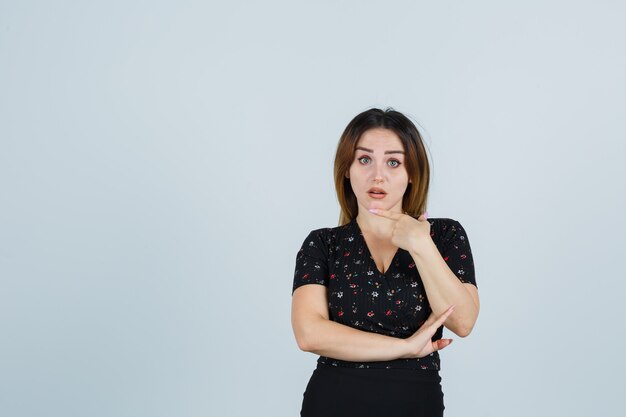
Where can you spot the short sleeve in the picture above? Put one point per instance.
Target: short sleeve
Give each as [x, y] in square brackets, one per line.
[312, 261]
[457, 252]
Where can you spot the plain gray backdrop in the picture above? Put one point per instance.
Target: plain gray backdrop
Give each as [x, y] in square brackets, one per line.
[162, 162]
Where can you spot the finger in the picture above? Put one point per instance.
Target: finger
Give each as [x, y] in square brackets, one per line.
[433, 317]
[430, 320]
[386, 213]
[441, 343]
[442, 318]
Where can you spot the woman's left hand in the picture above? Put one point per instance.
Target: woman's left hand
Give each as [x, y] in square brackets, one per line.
[408, 232]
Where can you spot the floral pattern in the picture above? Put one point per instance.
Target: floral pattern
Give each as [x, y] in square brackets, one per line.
[393, 303]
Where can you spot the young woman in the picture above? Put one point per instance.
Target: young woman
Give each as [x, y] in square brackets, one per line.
[372, 295]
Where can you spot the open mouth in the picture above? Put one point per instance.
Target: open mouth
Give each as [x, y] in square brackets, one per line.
[376, 192]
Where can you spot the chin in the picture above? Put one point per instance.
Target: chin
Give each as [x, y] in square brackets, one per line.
[381, 205]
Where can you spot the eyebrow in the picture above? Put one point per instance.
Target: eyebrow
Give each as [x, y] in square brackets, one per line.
[371, 151]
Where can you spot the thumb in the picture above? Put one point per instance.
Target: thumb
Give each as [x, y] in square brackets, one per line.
[441, 343]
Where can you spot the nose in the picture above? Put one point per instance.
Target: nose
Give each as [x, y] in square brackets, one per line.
[378, 174]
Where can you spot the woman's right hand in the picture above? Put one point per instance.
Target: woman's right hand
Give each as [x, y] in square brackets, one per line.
[420, 343]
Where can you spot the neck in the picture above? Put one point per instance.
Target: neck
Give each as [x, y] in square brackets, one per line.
[373, 224]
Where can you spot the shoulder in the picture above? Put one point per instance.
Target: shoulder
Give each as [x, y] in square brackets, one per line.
[321, 237]
[443, 223]
[445, 229]
[329, 233]
[326, 239]
[322, 233]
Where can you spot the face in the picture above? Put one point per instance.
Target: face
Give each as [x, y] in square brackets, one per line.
[379, 164]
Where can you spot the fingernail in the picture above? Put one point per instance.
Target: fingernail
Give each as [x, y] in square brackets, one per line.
[373, 211]
[426, 214]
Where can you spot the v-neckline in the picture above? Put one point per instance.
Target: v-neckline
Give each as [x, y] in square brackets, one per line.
[369, 253]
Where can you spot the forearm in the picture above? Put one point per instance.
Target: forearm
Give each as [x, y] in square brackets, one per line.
[338, 341]
[443, 289]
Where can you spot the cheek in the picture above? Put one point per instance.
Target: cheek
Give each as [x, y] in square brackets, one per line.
[355, 174]
[402, 183]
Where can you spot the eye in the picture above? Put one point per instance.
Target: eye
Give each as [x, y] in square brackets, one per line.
[362, 158]
[394, 161]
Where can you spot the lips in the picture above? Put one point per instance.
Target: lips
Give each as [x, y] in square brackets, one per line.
[376, 193]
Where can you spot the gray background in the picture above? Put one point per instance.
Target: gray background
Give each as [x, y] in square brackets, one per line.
[162, 162]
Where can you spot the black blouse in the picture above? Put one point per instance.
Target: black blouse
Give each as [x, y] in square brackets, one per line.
[359, 296]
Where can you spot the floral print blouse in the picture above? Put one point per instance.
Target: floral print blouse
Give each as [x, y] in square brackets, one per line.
[360, 296]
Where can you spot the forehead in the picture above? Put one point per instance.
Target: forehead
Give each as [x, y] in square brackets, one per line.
[380, 140]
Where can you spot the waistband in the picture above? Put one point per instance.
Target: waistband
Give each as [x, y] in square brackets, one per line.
[422, 364]
[409, 375]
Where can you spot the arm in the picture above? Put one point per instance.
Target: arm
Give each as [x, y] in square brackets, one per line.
[317, 334]
[443, 288]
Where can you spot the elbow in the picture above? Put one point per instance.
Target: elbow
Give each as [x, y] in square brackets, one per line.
[304, 340]
[303, 344]
[463, 330]
[307, 334]
[306, 345]
[463, 325]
